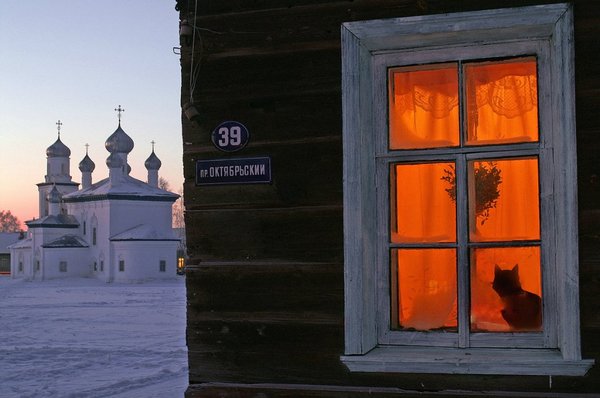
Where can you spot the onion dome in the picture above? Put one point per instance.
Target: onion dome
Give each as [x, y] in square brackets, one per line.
[58, 150]
[119, 141]
[54, 195]
[114, 161]
[86, 165]
[153, 162]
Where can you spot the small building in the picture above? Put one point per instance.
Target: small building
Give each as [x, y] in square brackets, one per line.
[7, 239]
[117, 229]
[419, 151]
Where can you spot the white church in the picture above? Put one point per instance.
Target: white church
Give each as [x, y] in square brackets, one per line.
[117, 229]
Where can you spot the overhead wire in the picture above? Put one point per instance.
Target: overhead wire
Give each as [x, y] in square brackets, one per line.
[193, 78]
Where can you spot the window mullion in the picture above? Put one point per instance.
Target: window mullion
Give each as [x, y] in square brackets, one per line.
[462, 268]
[462, 217]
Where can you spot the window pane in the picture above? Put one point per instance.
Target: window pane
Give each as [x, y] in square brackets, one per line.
[506, 289]
[423, 107]
[424, 289]
[504, 200]
[423, 204]
[501, 100]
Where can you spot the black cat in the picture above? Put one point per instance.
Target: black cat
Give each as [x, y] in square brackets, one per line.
[522, 309]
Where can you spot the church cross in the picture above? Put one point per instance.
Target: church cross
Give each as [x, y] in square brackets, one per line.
[86, 148]
[152, 142]
[119, 110]
[59, 123]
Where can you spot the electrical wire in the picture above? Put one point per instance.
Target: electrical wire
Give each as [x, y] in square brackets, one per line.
[192, 82]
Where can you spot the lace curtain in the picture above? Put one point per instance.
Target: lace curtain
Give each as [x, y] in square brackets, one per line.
[500, 99]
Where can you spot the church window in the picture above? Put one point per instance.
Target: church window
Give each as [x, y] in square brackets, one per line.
[20, 266]
[121, 265]
[95, 266]
[162, 266]
[37, 265]
[94, 233]
[84, 227]
[62, 266]
[101, 265]
[461, 220]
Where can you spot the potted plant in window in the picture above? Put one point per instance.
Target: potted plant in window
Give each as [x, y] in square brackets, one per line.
[487, 179]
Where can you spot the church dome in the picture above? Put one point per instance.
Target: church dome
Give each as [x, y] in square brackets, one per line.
[58, 150]
[153, 162]
[54, 195]
[119, 141]
[87, 165]
[114, 161]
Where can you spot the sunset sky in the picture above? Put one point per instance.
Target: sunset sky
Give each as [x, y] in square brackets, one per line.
[76, 61]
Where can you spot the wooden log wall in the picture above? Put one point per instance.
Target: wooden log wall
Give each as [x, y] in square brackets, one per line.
[265, 270]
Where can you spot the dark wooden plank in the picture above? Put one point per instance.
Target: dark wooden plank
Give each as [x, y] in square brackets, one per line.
[283, 116]
[277, 24]
[277, 288]
[237, 390]
[295, 234]
[249, 351]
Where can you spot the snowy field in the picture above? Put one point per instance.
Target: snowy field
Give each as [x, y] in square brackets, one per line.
[86, 338]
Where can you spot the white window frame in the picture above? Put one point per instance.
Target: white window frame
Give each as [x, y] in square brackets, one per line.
[369, 48]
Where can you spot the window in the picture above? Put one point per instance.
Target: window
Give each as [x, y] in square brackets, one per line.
[95, 266]
[37, 265]
[121, 265]
[84, 227]
[101, 265]
[467, 177]
[62, 266]
[20, 266]
[459, 201]
[94, 236]
[162, 266]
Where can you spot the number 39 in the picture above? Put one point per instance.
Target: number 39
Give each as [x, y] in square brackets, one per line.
[229, 136]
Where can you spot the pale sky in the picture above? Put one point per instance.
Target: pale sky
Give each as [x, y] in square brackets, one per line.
[77, 60]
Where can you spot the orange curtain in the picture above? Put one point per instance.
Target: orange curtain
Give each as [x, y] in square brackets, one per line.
[516, 212]
[424, 107]
[424, 211]
[501, 102]
[426, 288]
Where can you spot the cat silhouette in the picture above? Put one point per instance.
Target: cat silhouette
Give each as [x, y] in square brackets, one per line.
[522, 309]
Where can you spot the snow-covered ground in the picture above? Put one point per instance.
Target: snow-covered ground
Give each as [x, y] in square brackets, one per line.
[86, 338]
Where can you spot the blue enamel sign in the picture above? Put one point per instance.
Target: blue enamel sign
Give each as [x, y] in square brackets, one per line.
[230, 136]
[233, 171]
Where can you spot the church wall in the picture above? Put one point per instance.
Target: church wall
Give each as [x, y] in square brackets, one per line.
[126, 214]
[142, 260]
[22, 255]
[93, 214]
[76, 259]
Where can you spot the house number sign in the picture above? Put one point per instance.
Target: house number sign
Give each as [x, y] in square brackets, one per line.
[230, 136]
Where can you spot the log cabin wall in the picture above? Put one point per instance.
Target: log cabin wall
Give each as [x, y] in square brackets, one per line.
[265, 269]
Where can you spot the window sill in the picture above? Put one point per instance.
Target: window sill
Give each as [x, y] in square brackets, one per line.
[396, 359]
